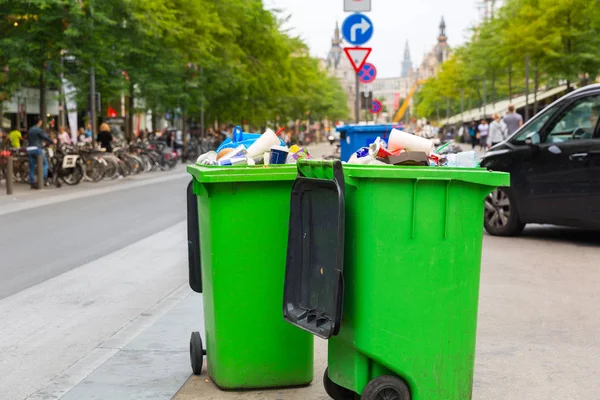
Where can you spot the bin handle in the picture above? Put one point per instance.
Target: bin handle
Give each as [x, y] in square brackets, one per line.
[322, 169]
[193, 233]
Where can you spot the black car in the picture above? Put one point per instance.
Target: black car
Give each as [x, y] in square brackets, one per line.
[554, 166]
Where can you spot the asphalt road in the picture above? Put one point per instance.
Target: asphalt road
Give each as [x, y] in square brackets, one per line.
[39, 243]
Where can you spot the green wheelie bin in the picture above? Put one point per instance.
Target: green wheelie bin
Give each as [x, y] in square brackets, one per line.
[385, 263]
[237, 238]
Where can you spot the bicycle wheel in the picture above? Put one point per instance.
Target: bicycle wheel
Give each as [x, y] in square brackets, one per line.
[21, 173]
[111, 169]
[95, 169]
[136, 164]
[72, 176]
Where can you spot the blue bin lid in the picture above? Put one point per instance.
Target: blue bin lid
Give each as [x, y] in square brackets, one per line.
[385, 128]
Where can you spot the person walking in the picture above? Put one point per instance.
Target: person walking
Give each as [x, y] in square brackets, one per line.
[35, 139]
[473, 134]
[512, 120]
[498, 131]
[105, 137]
[15, 138]
[483, 130]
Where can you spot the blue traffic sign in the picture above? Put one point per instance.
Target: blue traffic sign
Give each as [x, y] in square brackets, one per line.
[357, 29]
[367, 73]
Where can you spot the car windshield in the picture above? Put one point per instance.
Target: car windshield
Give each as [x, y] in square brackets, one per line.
[532, 129]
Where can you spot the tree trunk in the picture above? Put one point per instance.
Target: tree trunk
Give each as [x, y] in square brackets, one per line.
[43, 97]
[536, 83]
[130, 131]
[510, 82]
[154, 120]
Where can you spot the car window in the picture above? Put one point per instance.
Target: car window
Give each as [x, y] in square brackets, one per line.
[532, 129]
[578, 121]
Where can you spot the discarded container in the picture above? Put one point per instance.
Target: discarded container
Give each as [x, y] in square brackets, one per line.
[406, 276]
[242, 220]
[408, 141]
[278, 155]
[353, 137]
[242, 138]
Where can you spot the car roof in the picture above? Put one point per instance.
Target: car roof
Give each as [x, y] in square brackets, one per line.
[589, 88]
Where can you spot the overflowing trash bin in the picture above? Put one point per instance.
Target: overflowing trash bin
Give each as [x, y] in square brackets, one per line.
[384, 261]
[353, 137]
[237, 240]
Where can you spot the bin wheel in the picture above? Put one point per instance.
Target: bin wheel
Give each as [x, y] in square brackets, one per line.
[335, 391]
[196, 353]
[386, 388]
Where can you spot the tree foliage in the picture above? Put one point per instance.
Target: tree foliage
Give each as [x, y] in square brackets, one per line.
[229, 57]
[561, 38]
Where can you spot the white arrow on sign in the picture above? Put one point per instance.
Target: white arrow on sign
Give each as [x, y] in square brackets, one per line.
[364, 26]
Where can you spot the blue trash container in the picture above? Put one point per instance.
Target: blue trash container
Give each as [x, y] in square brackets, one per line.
[353, 137]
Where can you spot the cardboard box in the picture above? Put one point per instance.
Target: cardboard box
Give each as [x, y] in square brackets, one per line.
[418, 158]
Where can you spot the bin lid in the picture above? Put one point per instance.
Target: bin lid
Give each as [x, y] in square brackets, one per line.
[383, 128]
[242, 173]
[313, 288]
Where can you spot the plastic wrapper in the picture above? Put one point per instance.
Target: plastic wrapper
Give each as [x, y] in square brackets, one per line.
[209, 158]
[233, 161]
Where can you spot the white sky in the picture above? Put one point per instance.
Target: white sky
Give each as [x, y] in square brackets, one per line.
[395, 21]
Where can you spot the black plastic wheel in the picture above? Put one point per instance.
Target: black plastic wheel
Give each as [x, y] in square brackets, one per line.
[335, 391]
[196, 353]
[386, 388]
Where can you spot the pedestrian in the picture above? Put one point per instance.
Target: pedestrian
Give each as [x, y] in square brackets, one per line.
[428, 132]
[88, 131]
[301, 137]
[483, 131]
[15, 138]
[35, 139]
[105, 137]
[512, 120]
[473, 134]
[498, 131]
[63, 136]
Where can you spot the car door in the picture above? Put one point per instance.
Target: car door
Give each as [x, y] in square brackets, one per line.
[557, 175]
[593, 160]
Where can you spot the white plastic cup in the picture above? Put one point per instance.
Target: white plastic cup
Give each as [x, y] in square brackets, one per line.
[402, 140]
[263, 144]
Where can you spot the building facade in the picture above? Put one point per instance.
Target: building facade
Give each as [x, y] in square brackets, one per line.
[439, 53]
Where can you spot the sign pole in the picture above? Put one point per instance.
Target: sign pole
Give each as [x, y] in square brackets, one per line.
[357, 103]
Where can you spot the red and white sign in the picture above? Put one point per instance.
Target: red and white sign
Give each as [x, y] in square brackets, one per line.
[357, 56]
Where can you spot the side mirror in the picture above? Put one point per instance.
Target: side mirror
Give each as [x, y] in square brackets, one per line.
[529, 142]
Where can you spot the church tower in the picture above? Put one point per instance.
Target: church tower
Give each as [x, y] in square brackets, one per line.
[406, 62]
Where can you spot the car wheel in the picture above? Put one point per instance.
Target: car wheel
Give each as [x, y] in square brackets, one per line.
[501, 217]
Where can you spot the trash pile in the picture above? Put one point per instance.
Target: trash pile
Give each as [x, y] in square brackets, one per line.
[405, 148]
[254, 149]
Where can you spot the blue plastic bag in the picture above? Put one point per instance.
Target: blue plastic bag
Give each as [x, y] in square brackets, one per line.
[239, 137]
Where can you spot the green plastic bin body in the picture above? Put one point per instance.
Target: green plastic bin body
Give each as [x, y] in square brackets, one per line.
[243, 218]
[412, 257]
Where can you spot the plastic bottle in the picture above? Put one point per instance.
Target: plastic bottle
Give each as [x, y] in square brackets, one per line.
[466, 159]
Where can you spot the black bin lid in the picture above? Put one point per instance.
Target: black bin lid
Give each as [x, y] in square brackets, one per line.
[314, 288]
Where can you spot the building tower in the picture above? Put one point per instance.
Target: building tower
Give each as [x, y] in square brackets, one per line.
[335, 53]
[441, 48]
[406, 62]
